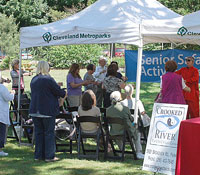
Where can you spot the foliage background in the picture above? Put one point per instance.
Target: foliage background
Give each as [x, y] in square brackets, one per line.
[64, 56]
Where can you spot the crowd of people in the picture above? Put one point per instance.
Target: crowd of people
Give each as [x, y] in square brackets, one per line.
[102, 88]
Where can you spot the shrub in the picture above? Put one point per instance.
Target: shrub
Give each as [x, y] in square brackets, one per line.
[5, 63]
[64, 56]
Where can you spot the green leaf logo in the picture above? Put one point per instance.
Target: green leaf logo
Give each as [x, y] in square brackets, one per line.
[47, 37]
[182, 31]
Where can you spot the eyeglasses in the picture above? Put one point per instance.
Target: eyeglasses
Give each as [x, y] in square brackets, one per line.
[188, 60]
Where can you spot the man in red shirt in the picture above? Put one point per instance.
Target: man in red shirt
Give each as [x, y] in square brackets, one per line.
[190, 75]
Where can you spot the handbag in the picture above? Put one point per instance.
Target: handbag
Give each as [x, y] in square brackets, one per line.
[158, 98]
[146, 120]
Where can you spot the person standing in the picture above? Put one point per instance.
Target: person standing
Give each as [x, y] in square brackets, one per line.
[15, 80]
[5, 97]
[88, 76]
[74, 85]
[111, 83]
[15, 76]
[190, 75]
[99, 75]
[172, 85]
[44, 108]
[119, 75]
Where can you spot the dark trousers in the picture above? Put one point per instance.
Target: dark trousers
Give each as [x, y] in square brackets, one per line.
[107, 101]
[2, 134]
[99, 95]
[44, 137]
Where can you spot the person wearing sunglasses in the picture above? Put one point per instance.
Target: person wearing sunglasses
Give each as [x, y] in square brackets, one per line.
[190, 75]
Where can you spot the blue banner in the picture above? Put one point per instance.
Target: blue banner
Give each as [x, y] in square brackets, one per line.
[153, 63]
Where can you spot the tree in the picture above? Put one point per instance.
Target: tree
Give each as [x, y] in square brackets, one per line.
[9, 37]
[64, 56]
[182, 7]
[56, 15]
[76, 5]
[26, 12]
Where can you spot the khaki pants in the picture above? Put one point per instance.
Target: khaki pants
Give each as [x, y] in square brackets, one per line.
[137, 143]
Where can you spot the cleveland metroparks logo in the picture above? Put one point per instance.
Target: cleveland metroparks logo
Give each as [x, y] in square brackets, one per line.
[47, 37]
[182, 31]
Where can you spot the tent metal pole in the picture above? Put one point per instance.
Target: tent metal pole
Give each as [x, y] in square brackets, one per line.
[172, 46]
[162, 46]
[111, 53]
[138, 78]
[19, 94]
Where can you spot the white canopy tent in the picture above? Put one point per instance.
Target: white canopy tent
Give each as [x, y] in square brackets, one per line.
[106, 21]
[180, 30]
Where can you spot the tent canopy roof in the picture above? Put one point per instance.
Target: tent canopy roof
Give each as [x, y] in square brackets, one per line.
[180, 30]
[113, 21]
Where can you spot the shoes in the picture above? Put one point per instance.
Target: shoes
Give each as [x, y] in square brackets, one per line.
[52, 160]
[2, 153]
[140, 155]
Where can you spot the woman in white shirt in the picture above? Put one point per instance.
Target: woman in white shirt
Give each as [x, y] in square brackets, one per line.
[5, 97]
[130, 103]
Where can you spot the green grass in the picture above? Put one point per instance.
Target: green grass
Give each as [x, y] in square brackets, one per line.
[21, 160]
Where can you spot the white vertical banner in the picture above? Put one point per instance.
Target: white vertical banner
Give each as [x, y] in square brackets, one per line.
[160, 155]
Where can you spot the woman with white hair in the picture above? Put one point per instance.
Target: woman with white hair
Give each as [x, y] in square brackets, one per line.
[123, 112]
[44, 108]
[130, 103]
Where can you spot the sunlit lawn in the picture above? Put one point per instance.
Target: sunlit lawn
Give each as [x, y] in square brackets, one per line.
[21, 161]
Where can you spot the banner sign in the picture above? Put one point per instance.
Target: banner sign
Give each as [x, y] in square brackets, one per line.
[160, 155]
[153, 63]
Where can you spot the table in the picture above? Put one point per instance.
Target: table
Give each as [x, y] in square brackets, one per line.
[188, 149]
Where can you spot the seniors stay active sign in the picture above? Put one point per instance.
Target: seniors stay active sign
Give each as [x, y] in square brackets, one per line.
[160, 155]
[153, 63]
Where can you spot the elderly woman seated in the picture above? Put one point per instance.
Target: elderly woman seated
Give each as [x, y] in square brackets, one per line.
[121, 111]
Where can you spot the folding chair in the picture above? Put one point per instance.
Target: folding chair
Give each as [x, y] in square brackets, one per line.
[72, 109]
[103, 112]
[65, 130]
[24, 116]
[140, 125]
[125, 138]
[66, 103]
[13, 123]
[69, 108]
[99, 134]
[25, 121]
